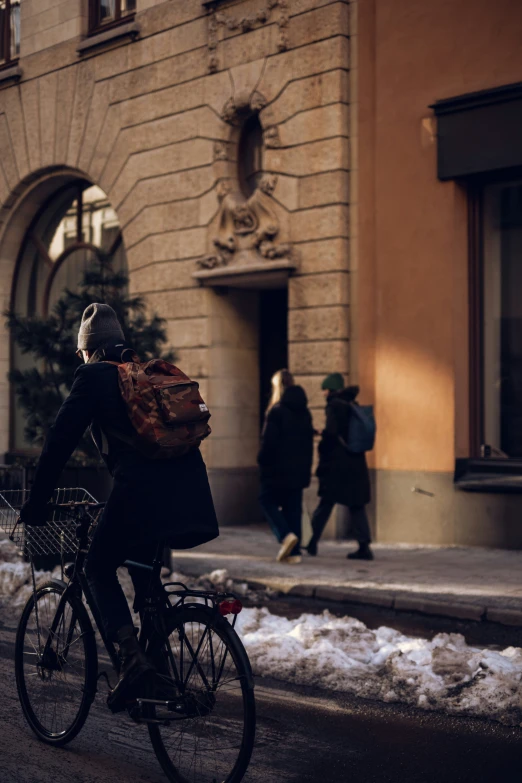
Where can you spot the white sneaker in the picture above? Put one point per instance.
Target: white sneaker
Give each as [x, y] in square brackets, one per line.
[287, 544]
[293, 559]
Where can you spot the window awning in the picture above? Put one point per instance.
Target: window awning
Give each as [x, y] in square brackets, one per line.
[479, 132]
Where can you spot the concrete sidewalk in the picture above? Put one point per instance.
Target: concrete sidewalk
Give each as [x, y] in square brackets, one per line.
[468, 583]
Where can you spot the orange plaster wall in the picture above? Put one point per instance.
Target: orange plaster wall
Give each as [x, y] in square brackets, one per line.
[412, 228]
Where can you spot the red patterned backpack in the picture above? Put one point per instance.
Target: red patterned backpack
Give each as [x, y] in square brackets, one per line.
[165, 408]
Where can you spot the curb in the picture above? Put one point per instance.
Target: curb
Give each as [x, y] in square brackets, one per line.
[420, 604]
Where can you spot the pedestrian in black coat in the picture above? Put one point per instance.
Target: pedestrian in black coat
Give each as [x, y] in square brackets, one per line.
[285, 461]
[343, 475]
[151, 500]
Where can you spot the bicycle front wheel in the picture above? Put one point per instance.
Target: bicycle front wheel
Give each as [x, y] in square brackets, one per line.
[204, 663]
[55, 664]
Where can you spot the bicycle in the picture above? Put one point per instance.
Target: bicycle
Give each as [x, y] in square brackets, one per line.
[201, 716]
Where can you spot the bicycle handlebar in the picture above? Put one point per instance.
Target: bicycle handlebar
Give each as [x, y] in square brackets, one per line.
[72, 505]
[72, 508]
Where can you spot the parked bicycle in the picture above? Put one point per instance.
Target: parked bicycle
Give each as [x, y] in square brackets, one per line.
[201, 713]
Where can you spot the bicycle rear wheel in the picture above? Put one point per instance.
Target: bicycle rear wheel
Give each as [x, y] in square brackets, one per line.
[55, 664]
[212, 738]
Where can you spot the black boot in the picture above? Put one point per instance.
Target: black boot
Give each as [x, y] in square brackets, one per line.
[312, 547]
[136, 672]
[363, 553]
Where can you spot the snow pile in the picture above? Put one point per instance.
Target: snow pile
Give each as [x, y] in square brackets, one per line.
[13, 572]
[15, 575]
[342, 654]
[8, 551]
[12, 577]
[220, 580]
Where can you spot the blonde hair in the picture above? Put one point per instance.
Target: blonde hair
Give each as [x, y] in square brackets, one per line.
[281, 380]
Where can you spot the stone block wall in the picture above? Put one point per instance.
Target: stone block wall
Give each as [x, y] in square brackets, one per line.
[147, 121]
[46, 23]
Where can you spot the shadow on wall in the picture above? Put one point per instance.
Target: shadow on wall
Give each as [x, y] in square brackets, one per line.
[236, 492]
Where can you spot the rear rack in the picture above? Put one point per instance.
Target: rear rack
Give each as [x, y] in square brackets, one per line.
[223, 603]
[212, 595]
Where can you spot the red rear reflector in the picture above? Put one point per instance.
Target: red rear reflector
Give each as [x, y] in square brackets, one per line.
[230, 607]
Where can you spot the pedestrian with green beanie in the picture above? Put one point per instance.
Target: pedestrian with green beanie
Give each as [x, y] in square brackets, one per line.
[343, 475]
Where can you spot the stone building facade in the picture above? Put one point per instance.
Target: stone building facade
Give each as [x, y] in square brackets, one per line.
[221, 134]
[321, 184]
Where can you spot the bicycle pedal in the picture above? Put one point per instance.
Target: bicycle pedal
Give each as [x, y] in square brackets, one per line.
[137, 708]
[134, 712]
[168, 704]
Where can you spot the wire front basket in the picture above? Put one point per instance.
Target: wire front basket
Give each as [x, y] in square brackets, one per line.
[57, 537]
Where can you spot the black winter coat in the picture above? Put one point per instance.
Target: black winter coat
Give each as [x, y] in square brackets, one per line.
[343, 476]
[287, 443]
[167, 498]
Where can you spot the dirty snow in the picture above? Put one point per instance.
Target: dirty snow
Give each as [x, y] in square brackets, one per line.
[342, 654]
[15, 576]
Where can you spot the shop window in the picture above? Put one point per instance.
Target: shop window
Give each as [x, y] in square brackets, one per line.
[501, 321]
[9, 31]
[107, 13]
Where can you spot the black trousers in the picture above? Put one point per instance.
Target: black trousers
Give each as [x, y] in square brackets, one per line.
[283, 510]
[358, 521]
[115, 540]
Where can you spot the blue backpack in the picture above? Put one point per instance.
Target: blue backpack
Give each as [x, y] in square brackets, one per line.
[361, 429]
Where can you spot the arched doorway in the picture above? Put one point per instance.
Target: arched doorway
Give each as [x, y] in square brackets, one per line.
[69, 230]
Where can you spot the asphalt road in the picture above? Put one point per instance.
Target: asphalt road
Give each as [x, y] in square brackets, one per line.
[304, 736]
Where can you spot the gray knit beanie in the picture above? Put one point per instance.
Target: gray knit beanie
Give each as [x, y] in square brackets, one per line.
[99, 325]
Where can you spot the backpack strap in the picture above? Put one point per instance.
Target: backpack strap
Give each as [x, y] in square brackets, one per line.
[340, 438]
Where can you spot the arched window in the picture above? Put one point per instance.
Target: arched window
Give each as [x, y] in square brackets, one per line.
[74, 228]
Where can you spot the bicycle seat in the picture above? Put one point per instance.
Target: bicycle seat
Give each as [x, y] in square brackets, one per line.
[135, 564]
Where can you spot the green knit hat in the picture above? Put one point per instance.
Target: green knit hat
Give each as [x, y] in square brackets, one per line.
[333, 382]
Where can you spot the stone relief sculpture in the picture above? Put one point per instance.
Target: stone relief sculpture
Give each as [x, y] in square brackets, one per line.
[247, 227]
[235, 109]
[243, 24]
[271, 137]
[220, 150]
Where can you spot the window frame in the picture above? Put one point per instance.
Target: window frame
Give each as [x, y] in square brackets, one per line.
[96, 26]
[476, 226]
[476, 316]
[5, 33]
[31, 235]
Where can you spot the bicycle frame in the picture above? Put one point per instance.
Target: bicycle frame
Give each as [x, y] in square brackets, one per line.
[77, 585]
[200, 682]
[152, 612]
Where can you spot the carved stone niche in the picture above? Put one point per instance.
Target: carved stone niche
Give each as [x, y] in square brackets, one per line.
[232, 20]
[247, 250]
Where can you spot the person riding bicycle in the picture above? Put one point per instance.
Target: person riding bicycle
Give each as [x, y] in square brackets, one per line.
[151, 500]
